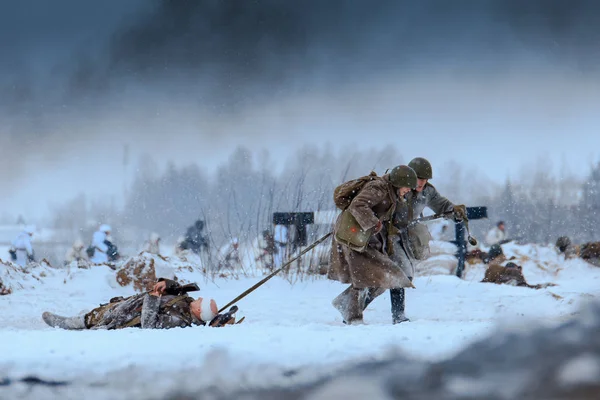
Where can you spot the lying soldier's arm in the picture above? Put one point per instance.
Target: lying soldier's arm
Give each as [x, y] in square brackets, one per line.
[151, 305]
[171, 284]
[167, 286]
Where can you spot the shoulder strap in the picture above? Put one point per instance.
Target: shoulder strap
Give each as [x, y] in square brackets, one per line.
[394, 199]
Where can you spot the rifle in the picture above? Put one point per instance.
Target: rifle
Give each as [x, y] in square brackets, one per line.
[430, 218]
[264, 280]
[188, 287]
[449, 214]
[321, 240]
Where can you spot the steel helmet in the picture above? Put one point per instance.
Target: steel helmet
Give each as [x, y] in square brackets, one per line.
[403, 176]
[422, 167]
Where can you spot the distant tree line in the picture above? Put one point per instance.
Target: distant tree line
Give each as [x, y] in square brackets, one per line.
[239, 198]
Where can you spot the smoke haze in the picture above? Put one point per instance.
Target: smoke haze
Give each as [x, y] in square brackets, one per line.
[491, 85]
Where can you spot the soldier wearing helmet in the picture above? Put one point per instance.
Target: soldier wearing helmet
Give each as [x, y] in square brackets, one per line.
[369, 270]
[412, 244]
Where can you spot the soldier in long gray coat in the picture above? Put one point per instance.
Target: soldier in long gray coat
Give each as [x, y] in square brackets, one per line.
[167, 306]
[412, 244]
[371, 271]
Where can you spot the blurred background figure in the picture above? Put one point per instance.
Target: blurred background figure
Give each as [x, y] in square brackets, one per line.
[180, 246]
[76, 253]
[21, 251]
[496, 235]
[102, 249]
[267, 250]
[152, 245]
[229, 255]
[195, 239]
[281, 241]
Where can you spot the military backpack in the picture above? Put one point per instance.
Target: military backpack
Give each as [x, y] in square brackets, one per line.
[347, 191]
[349, 232]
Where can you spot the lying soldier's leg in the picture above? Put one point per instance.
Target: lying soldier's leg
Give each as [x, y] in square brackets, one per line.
[86, 321]
[70, 323]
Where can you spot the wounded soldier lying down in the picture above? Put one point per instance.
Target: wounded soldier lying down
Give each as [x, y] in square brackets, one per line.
[167, 306]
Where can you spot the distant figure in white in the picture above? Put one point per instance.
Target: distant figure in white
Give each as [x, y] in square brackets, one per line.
[99, 244]
[21, 250]
[496, 235]
[76, 253]
[280, 235]
[152, 245]
[441, 230]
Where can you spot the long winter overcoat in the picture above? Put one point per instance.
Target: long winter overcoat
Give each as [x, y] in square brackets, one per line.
[372, 268]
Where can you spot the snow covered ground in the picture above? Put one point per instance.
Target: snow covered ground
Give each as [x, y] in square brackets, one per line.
[287, 327]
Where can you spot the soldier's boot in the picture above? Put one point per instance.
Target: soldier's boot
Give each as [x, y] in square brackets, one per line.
[398, 301]
[70, 323]
[349, 304]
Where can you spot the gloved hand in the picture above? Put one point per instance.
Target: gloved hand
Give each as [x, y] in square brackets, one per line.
[460, 213]
[227, 318]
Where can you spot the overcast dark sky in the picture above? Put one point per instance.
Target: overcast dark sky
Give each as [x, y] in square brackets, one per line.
[192, 79]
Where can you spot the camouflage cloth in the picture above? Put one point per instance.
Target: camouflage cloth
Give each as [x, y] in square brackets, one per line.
[145, 311]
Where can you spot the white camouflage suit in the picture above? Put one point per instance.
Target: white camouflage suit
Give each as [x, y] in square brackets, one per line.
[22, 246]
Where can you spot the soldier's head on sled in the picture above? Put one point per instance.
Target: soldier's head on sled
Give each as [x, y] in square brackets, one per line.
[204, 309]
[403, 178]
[424, 171]
[500, 225]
